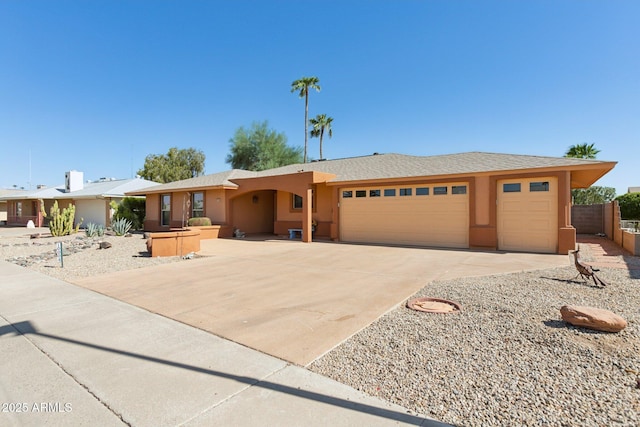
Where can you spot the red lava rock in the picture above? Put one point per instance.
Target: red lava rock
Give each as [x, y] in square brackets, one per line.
[592, 318]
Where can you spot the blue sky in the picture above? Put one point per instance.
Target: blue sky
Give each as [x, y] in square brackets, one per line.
[96, 86]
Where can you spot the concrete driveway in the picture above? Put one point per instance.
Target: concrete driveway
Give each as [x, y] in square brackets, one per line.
[295, 300]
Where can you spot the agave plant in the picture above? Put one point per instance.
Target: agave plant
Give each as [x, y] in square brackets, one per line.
[94, 230]
[121, 226]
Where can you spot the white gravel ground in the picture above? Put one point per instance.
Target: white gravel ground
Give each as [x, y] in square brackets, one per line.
[506, 360]
[83, 257]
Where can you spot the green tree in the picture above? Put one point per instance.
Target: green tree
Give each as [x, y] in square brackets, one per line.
[582, 151]
[321, 124]
[302, 86]
[176, 165]
[132, 209]
[629, 206]
[259, 148]
[593, 195]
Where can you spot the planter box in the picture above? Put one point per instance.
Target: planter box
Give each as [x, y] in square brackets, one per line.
[209, 231]
[631, 242]
[173, 243]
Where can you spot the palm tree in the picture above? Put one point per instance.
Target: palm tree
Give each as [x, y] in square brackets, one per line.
[582, 151]
[321, 124]
[302, 86]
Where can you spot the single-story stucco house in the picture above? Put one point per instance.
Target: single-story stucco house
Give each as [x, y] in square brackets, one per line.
[3, 203]
[468, 200]
[91, 199]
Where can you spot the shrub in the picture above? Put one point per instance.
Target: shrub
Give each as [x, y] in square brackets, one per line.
[94, 230]
[199, 222]
[132, 209]
[121, 226]
[629, 206]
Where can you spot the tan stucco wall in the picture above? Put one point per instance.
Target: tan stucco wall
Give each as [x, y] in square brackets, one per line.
[481, 213]
[253, 212]
[284, 208]
[323, 209]
[214, 206]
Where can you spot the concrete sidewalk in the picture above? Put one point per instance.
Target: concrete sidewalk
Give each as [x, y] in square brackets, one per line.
[70, 357]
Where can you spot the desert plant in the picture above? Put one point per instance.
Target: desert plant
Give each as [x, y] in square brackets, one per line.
[199, 222]
[121, 226]
[94, 230]
[61, 223]
[131, 208]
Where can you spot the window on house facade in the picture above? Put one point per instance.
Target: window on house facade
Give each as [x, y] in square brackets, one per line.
[165, 209]
[406, 191]
[539, 186]
[18, 209]
[439, 191]
[296, 201]
[512, 187]
[389, 192]
[459, 189]
[422, 191]
[197, 205]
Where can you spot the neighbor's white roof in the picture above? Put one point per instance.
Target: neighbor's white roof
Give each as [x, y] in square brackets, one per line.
[90, 190]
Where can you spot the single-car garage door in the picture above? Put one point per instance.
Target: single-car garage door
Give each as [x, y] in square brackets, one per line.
[528, 215]
[91, 211]
[425, 215]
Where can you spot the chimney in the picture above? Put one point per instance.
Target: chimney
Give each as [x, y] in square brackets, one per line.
[73, 181]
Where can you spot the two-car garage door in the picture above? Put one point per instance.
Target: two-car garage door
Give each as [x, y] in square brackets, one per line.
[425, 215]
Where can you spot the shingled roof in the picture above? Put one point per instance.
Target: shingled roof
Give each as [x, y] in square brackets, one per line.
[395, 166]
[215, 180]
[388, 166]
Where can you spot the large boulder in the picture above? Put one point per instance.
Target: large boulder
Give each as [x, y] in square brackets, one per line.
[592, 318]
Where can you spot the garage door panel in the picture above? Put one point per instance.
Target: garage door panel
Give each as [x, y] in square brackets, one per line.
[511, 206]
[528, 221]
[408, 220]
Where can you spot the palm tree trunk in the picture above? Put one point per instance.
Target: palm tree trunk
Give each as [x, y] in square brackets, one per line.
[306, 122]
[321, 135]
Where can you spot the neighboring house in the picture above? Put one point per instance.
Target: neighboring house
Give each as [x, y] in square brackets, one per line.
[91, 199]
[3, 203]
[633, 190]
[468, 200]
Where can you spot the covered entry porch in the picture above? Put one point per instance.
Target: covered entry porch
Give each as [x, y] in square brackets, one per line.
[291, 201]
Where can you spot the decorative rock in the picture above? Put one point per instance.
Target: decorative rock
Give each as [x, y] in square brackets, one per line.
[105, 245]
[35, 236]
[30, 224]
[592, 318]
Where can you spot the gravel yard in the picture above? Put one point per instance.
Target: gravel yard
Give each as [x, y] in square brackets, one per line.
[506, 359]
[83, 257]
